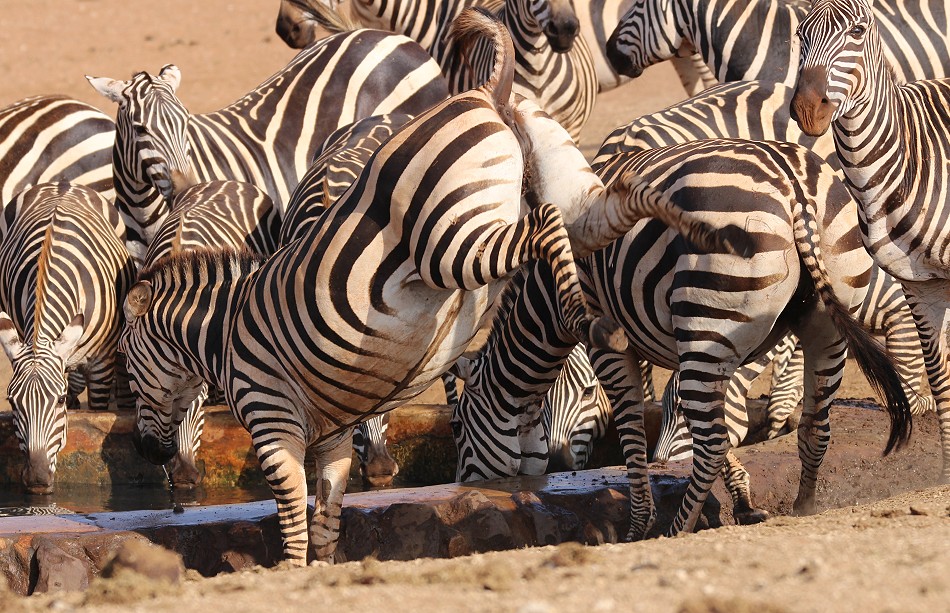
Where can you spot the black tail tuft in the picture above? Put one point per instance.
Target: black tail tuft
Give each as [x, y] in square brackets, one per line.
[878, 367]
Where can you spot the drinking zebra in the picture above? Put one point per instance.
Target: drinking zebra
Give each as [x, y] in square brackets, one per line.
[63, 273]
[53, 138]
[750, 39]
[206, 216]
[553, 67]
[892, 141]
[268, 137]
[701, 314]
[382, 294]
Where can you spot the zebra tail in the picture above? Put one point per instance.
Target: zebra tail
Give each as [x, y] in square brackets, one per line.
[474, 23]
[874, 360]
[330, 17]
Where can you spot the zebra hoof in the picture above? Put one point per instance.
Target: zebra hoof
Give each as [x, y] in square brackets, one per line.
[735, 240]
[605, 333]
[753, 516]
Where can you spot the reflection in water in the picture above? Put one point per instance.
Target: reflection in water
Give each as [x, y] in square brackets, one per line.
[90, 498]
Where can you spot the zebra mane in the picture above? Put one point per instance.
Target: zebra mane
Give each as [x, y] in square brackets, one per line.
[42, 265]
[185, 264]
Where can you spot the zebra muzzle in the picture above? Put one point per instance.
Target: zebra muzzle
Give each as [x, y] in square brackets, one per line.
[153, 448]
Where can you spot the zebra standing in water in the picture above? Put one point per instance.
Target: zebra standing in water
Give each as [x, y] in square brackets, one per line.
[211, 215]
[382, 294]
[553, 67]
[268, 137]
[742, 40]
[893, 143]
[53, 138]
[63, 273]
[702, 341]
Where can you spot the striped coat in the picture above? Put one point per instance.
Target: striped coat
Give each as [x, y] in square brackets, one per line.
[63, 274]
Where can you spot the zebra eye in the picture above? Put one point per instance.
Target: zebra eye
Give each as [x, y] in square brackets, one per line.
[857, 31]
[139, 129]
[588, 393]
[61, 400]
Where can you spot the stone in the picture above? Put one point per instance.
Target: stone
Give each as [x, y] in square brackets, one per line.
[58, 571]
[146, 559]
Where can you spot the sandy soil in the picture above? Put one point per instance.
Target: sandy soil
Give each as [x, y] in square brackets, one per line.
[887, 556]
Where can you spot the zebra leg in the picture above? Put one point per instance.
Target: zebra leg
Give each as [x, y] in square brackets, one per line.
[333, 469]
[124, 398]
[75, 384]
[540, 235]
[702, 401]
[929, 304]
[100, 377]
[449, 382]
[903, 343]
[280, 453]
[736, 479]
[824, 351]
[619, 374]
[788, 368]
[646, 373]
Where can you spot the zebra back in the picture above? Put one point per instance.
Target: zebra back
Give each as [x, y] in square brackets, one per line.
[53, 138]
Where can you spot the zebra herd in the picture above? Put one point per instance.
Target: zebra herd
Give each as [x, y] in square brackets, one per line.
[325, 248]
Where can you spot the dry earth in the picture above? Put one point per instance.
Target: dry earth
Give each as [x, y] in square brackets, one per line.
[886, 556]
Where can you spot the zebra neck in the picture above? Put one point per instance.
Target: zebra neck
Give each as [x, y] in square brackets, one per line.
[141, 206]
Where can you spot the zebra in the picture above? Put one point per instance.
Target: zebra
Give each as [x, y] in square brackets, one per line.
[268, 137]
[755, 40]
[892, 141]
[63, 273]
[647, 277]
[208, 215]
[300, 25]
[554, 67]
[53, 138]
[381, 295]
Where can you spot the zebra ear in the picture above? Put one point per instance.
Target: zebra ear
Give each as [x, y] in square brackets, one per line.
[67, 341]
[462, 368]
[9, 337]
[110, 88]
[170, 74]
[138, 300]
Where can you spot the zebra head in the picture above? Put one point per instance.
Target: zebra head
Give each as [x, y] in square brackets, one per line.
[494, 435]
[575, 413]
[151, 140]
[38, 394]
[648, 33]
[556, 19]
[839, 47]
[163, 389]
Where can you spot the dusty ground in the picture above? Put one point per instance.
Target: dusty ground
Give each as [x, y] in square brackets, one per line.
[887, 556]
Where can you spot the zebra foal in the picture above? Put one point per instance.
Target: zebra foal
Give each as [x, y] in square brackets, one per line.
[381, 295]
[892, 140]
[63, 274]
[269, 136]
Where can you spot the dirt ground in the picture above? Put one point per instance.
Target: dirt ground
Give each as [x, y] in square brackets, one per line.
[886, 556]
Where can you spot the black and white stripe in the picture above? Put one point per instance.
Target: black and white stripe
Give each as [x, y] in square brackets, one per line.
[382, 294]
[63, 273]
[742, 40]
[268, 137]
[704, 314]
[895, 150]
[51, 139]
[553, 66]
